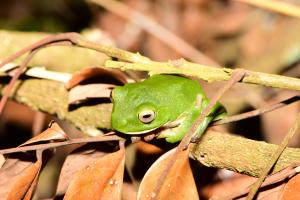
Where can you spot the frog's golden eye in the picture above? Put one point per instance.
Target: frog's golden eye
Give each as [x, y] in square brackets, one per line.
[146, 116]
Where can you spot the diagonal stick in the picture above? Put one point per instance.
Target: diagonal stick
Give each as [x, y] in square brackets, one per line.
[13, 81]
[293, 130]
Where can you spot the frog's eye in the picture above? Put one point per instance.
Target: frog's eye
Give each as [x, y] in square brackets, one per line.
[146, 116]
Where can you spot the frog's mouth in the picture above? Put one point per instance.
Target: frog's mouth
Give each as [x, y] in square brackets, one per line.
[168, 125]
[142, 132]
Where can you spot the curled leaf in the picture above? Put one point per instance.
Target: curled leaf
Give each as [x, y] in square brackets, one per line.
[101, 74]
[53, 133]
[83, 92]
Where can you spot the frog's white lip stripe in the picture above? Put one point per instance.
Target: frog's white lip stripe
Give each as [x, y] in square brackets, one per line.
[173, 124]
[141, 132]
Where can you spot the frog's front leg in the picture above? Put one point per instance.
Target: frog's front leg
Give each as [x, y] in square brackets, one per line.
[217, 112]
[175, 131]
[182, 125]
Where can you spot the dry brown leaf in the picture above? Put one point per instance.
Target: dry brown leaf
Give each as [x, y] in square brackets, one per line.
[19, 178]
[113, 189]
[31, 189]
[53, 133]
[179, 183]
[101, 74]
[230, 187]
[101, 179]
[223, 188]
[73, 163]
[291, 190]
[80, 93]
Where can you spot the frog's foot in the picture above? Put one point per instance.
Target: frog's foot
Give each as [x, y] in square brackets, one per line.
[149, 137]
[146, 138]
[167, 133]
[169, 130]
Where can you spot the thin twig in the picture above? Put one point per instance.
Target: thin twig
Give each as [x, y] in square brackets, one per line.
[59, 144]
[21, 70]
[139, 62]
[77, 40]
[43, 42]
[207, 73]
[13, 81]
[257, 112]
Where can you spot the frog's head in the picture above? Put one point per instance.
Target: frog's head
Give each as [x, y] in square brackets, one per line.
[156, 102]
[137, 110]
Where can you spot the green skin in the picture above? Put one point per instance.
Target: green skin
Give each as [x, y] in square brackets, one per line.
[176, 101]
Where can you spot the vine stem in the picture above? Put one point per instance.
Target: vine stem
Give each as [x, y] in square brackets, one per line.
[135, 61]
[207, 73]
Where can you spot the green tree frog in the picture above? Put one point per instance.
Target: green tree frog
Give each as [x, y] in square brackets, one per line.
[167, 103]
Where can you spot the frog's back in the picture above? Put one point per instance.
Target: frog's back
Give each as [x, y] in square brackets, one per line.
[171, 93]
[173, 85]
[168, 96]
